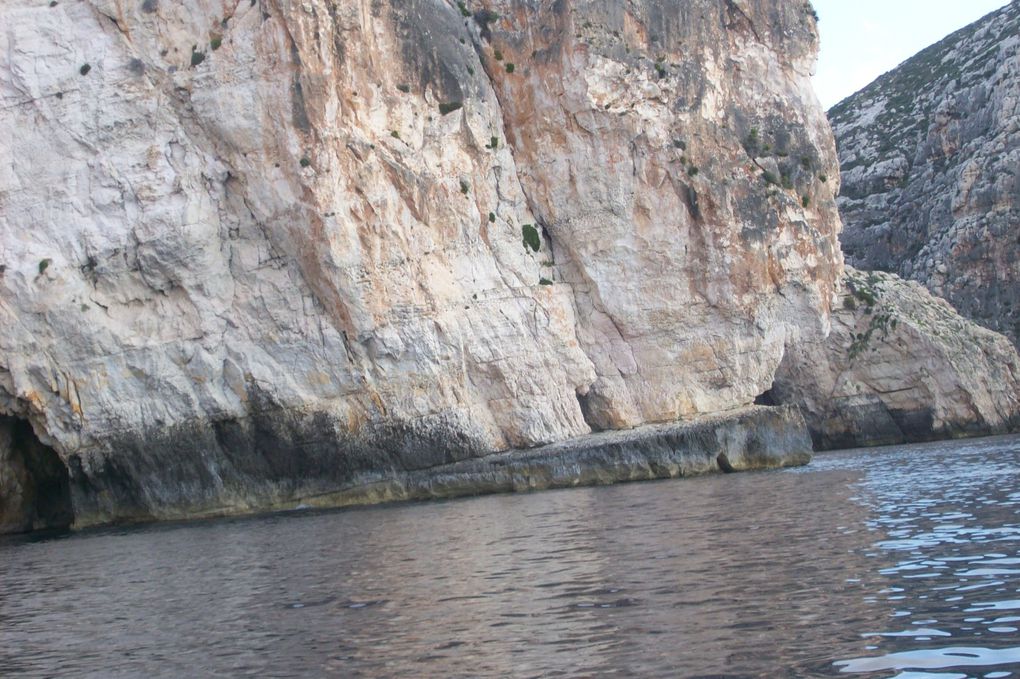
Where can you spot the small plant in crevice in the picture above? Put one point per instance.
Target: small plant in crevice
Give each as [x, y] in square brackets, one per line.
[497, 55]
[529, 234]
[692, 170]
[752, 142]
[880, 322]
[404, 88]
[866, 292]
[484, 17]
[197, 57]
[44, 264]
[509, 67]
[449, 107]
[215, 41]
[464, 11]
[85, 68]
[464, 187]
[394, 134]
[544, 281]
[805, 201]
[304, 162]
[493, 143]
[492, 217]
[823, 178]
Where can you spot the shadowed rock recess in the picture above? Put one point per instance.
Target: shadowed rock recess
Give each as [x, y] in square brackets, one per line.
[930, 154]
[263, 253]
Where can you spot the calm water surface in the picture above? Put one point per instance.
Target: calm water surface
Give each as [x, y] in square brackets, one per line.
[900, 562]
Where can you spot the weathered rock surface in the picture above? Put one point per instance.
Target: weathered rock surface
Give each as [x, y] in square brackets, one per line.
[900, 366]
[930, 156]
[252, 251]
[753, 438]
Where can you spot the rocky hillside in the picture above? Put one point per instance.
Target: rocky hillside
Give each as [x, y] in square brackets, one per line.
[930, 156]
[265, 252]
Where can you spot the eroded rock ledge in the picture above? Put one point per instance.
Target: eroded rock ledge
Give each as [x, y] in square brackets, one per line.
[753, 438]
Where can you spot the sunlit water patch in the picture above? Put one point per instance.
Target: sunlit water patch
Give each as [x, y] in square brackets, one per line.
[899, 562]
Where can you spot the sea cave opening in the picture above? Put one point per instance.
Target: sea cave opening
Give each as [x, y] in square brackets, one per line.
[35, 489]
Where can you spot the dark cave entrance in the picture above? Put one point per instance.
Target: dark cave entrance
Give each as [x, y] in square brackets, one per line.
[588, 412]
[35, 489]
[767, 398]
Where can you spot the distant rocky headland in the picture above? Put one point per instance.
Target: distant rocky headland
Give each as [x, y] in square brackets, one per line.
[273, 253]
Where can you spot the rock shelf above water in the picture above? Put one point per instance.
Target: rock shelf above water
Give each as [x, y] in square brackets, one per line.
[755, 438]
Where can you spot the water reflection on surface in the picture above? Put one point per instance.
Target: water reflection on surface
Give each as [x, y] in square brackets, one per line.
[951, 531]
[901, 562]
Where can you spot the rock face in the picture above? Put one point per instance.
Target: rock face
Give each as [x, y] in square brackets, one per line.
[250, 252]
[900, 366]
[930, 156]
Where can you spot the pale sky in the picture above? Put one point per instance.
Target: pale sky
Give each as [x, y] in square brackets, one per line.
[862, 39]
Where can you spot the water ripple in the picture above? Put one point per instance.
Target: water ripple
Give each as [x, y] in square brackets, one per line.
[934, 659]
[900, 562]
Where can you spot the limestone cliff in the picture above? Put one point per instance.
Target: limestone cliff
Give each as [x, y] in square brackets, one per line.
[256, 251]
[900, 365]
[930, 155]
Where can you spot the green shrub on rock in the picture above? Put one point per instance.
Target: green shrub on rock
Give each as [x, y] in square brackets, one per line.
[531, 238]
